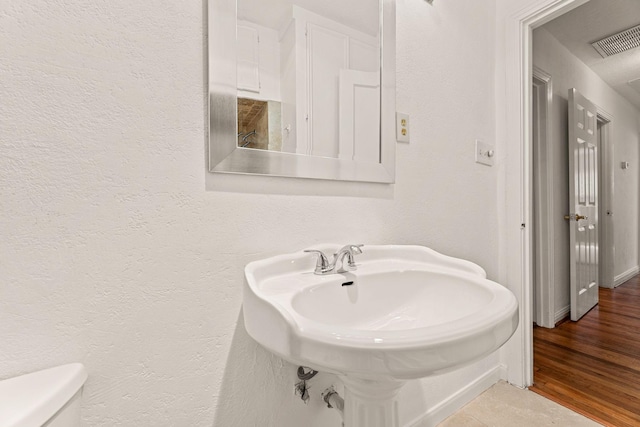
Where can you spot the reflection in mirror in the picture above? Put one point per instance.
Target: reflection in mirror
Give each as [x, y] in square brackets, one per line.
[302, 88]
[259, 124]
[308, 77]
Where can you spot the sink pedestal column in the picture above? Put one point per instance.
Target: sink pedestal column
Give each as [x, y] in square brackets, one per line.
[369, 403]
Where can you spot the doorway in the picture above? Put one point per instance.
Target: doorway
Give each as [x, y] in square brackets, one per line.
[606, 189]
[548, 234]
[518, 19]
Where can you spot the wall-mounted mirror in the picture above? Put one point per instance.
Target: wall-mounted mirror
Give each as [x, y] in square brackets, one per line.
[302, 88]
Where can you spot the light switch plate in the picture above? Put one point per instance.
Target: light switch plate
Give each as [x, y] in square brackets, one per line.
[484, 153]
[402, 127]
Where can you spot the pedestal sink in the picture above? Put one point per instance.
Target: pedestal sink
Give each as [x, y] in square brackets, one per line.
[407, 312]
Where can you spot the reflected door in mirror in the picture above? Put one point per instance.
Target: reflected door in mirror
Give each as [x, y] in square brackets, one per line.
[308, 77]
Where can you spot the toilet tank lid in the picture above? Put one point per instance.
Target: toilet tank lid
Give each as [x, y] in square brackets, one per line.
[31, 399]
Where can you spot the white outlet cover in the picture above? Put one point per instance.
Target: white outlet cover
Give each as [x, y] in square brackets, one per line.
[402, 123]
[485, 153]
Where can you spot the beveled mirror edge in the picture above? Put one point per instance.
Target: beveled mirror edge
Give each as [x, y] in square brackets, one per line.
[222, 79]
[388, 90]
[226, 157]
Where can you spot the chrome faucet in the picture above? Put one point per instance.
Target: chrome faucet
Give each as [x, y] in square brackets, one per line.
[323, 266]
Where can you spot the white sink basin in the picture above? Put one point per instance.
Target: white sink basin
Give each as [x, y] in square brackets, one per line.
[408, 300]
[410, 312]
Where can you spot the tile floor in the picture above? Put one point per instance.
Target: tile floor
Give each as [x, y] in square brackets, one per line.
[504, 405]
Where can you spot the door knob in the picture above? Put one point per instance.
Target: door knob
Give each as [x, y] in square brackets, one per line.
[576, 217]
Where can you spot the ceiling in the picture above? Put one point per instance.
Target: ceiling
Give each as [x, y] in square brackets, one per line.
[594, 20]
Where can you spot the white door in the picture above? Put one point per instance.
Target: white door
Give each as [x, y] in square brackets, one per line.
[248, 61]
[359, 116]
[583, 202]
[327, 54]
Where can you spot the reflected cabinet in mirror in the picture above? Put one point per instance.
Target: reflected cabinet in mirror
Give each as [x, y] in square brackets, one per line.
[302, 88]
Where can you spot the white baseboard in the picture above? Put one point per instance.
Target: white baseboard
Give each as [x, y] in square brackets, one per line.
[561, 314]
[617, 281]
[623, 277]
[454, 402]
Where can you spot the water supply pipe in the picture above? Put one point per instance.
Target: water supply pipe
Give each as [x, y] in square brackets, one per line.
[333, 400]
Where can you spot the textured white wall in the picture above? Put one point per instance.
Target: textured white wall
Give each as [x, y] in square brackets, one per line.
[119, 250]
[567, 72]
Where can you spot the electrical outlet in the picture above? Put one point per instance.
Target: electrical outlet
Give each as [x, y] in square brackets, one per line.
[402, 127]
[484, 153]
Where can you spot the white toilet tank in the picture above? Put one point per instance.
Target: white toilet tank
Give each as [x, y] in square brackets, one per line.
[48, 398]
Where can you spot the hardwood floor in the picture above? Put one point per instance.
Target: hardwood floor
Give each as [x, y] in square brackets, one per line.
[593, 366]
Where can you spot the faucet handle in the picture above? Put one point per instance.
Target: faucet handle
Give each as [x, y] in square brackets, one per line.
[322, 264]
[348, 251]
[356, 248]
[351, 250]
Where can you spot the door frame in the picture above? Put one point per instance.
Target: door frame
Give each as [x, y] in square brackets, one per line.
[606, 188]
[543, 225]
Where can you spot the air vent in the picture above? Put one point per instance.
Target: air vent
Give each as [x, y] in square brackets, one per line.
[618, 43]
